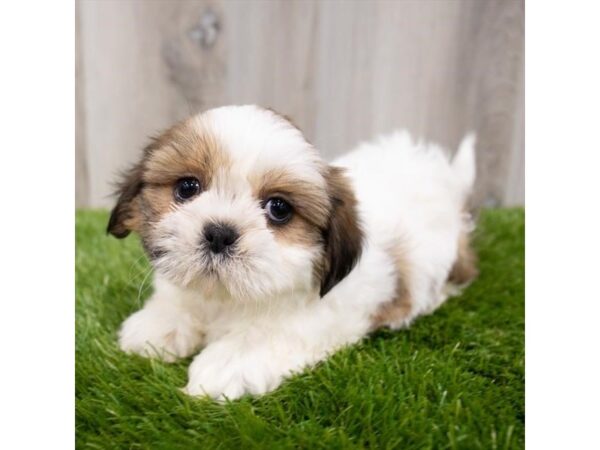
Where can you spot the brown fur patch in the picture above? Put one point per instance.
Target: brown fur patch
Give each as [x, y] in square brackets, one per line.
[155, 201]
[311, 202]
[343, 235]
[187, 149]
[146, 192]
[126, 216]
[298, 231]
[311, 205]
[392, 313]
[464, 269]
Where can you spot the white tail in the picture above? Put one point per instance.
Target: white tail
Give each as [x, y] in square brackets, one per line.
[463, 163]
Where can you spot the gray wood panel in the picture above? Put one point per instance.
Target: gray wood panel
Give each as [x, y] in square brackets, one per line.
[343, 70]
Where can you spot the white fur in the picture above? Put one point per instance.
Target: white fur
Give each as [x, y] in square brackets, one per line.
[409, 193]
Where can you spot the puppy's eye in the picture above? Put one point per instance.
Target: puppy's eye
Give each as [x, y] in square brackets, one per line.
[186, 188]
[278, 210]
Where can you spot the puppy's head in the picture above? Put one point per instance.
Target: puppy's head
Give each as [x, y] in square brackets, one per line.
[236, 202]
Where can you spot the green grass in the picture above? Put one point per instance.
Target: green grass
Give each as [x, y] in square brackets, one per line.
[455, 379]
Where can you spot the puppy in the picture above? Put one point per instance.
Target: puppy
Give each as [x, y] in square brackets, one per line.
[267, 259]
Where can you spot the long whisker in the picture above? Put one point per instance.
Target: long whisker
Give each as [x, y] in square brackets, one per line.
[139, 296]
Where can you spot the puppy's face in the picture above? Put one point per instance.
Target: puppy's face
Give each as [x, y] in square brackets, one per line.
[236, 203]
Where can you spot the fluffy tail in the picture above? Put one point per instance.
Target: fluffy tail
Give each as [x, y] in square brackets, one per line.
[463, 163]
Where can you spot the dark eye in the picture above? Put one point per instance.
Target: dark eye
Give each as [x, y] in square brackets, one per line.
[278, 210]
[186, 188]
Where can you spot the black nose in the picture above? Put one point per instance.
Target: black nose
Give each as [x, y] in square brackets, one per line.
[219, 236]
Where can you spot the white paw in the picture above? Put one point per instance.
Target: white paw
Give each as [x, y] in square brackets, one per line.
[160, 333]
[226, 370]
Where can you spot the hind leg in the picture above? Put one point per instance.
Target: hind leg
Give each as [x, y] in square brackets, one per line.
[464, 270]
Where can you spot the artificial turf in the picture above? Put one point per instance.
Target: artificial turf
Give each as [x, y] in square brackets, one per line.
[455, 379]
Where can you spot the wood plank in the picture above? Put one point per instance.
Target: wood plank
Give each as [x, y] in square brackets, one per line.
[81, 169]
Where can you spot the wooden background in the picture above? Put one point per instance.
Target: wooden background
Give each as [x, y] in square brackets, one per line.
[343, 70]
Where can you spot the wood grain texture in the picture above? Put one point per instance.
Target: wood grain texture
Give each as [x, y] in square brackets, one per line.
[343, 70]
[81, 170]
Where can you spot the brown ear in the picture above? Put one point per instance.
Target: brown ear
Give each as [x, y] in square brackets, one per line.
[343, 236]
[126, 216]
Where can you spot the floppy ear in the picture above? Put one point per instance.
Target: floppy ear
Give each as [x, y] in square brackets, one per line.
[343, 236]
[126, 215]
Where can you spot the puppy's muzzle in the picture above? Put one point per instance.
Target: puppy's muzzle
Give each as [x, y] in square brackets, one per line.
[219, 237]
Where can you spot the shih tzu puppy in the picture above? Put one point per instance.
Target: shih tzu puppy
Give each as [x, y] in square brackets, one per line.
[267, 259]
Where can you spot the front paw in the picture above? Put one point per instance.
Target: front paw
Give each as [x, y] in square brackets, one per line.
[159, 333]
[225, 370]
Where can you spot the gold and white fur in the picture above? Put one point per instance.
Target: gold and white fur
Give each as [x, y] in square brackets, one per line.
[275, 308]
